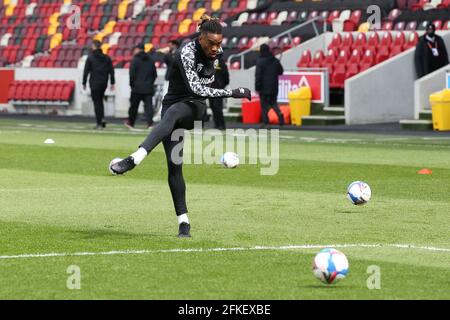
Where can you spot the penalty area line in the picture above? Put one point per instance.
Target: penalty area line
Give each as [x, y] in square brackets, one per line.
[256, 248]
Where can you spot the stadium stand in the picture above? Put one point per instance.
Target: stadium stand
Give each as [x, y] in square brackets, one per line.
[349, 54]
[35, 33]
[39, 29]
[41, 92]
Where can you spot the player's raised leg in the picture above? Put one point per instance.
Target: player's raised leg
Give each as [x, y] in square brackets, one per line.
[177, 113]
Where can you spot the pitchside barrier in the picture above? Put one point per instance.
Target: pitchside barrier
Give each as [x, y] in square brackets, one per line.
[315, 78]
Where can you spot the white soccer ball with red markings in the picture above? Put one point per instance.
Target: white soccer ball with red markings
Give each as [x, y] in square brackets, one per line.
[230, 160]
[359, 193]
[330, 266]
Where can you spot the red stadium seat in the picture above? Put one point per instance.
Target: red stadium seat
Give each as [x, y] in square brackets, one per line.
[336, 42]
[438, 24]
[387, 26]
[305, 59]
[353, 64]
[419, 5]
[352, 23]
[35, 89]
[384, 49]
[330, 60]
[26, 95]
[317, 60]
[360, 42]
[400, 26]
[347, 41]
[411, 41]
[373, 41]
[411, 26]
[12, 90]
[333, 15]
[367, 61]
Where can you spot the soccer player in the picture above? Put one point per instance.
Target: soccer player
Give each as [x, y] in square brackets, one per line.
[189, 86]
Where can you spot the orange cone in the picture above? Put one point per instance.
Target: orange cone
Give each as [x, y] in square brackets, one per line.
[425, 172]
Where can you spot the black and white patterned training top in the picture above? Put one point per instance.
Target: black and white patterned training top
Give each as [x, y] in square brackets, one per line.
[191, 76]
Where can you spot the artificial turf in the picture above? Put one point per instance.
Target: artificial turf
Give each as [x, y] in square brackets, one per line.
[61, 199]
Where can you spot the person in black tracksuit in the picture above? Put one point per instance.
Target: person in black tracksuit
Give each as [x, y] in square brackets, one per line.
[99, 66]
[169, 57]
[142, 80]
[431, 53]
[268, 68]
[216, 104]
[191, 77]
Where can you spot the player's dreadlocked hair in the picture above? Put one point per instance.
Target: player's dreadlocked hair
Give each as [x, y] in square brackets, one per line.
[209, 25]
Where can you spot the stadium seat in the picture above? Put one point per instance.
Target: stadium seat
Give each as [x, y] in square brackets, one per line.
[305, 59]
[360, 42]
[330, 60]
[384, 49]
[411, 41]
[373, 42]
[317, 60]
[347, 41]
[367, 61]
[336, 41]
[353, 63]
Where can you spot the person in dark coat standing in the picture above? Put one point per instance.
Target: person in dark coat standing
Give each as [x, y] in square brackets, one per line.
[99, 66]
[222, 80]
[268, 68]
[431, 53]
[142, 81]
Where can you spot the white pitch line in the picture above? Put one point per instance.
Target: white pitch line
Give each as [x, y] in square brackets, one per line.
[256, 248]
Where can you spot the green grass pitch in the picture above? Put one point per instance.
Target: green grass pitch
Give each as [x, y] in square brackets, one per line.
[60, 199]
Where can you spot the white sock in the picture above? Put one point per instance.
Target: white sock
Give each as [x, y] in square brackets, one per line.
[183, 218]
[139, 155]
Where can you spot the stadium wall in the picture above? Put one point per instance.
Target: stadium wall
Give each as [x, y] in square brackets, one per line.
[427, 85]
[384, 93]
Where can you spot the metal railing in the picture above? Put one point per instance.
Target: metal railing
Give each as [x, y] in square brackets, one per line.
[288, 32]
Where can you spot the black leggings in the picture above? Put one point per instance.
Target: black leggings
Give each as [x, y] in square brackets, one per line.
[178, 116]
[97, 98]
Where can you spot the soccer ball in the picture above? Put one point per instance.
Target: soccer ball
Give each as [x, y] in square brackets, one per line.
[330, 265]
[359, 193]
[113, 162]
[230, 160]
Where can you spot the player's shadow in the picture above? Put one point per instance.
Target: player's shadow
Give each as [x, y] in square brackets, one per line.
[328, 287]
[102, 233]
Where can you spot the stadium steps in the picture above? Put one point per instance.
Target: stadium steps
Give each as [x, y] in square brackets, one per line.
[424, 123]
[417, 125]
[323, 120]
[334, 111]
[328, 116]
[233, 116]
[425, 115]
